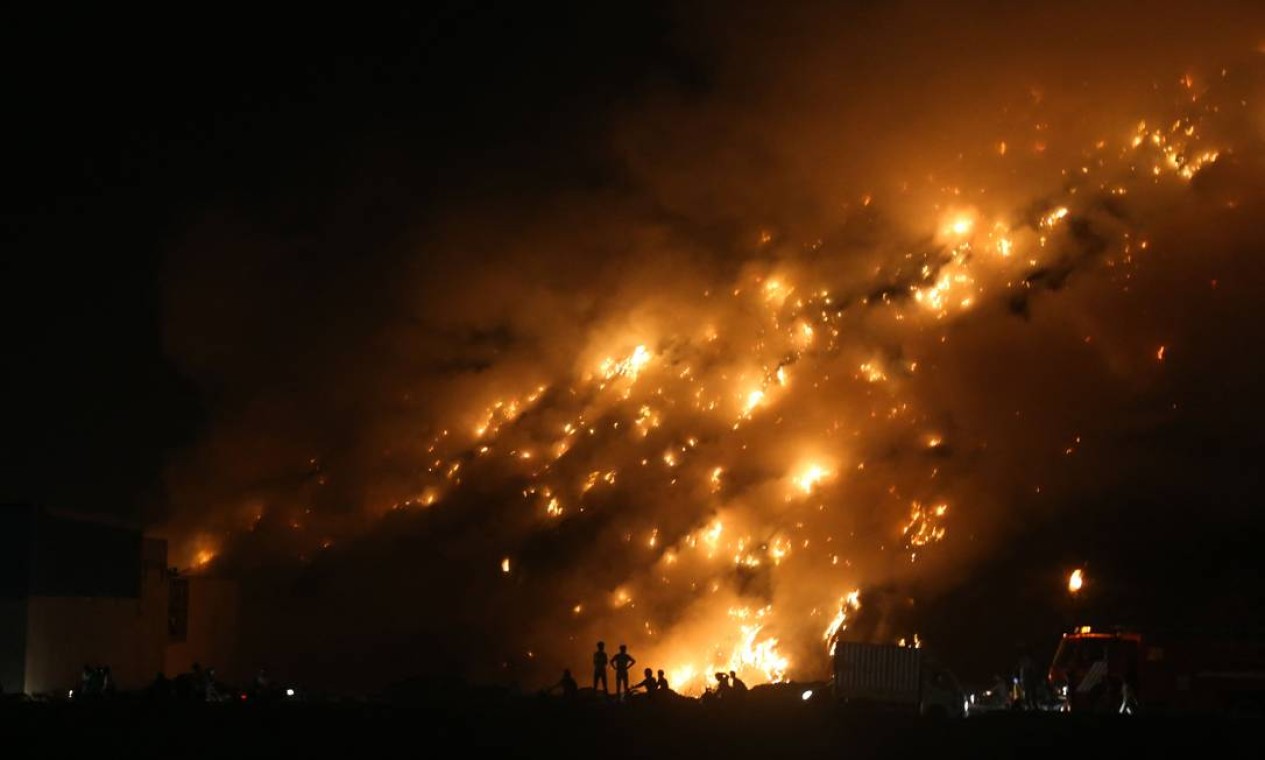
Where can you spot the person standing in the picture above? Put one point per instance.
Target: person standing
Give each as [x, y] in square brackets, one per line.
[622, 661]
[600, 662]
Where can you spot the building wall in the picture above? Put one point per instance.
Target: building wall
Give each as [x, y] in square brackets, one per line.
[12, 645]
[129, 634]
[211, 632]
[16, 538]
[74, 591]
[65, 633]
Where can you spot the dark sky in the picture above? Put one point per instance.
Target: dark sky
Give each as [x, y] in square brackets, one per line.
[125, 128]
[254, 263]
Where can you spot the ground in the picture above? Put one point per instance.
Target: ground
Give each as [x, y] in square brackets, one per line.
[472, 725]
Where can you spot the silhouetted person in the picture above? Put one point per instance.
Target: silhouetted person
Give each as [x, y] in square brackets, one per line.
[1027, 677]
[197, 683]
[212, 689]
[661, 683]
[600, 661]
[161, 687]
[622, 661]
[648, 684]
[736, 683]
[262, 688]
[87, 680]
[566, 686]
[722, 685]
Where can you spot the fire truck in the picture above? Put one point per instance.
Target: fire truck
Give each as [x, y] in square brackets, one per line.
[1120, 670]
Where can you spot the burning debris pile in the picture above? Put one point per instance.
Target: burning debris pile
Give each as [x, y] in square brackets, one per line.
[709, 446]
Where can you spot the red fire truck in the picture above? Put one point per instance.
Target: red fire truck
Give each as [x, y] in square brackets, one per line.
[1127, 671]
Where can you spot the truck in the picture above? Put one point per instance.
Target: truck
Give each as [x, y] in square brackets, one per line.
[892, 676]
[1128, 670]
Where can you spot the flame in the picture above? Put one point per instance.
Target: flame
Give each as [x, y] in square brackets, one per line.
[1075, 581]
[850, 603]
[810, 476]
[960, 224]
[629, 367]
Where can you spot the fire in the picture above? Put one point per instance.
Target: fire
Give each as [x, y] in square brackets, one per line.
[1054, 217]
[1075, 581]
[850, 603]
[810, 476]
[714, 478]
[754, 399]
[629, 367]
[924, 527]
[961, 224]
[694, 401]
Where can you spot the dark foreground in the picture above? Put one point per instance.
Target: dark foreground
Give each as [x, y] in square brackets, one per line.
[541, 727]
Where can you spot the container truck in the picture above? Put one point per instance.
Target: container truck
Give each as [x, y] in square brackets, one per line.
[890, 676]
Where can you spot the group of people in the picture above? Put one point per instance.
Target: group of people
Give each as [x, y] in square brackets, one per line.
[621, 662]
[728, 685]
[95, 681]
[198, 684]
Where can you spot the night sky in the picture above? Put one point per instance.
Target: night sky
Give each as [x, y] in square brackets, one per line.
[758, 292]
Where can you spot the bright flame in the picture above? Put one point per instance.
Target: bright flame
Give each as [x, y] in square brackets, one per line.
[851, 602]
[630, 366]
[810, 476]
[961, 224]
[753, 400]
[1075, 581]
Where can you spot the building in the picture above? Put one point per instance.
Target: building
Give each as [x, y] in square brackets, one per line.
[76, 591]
